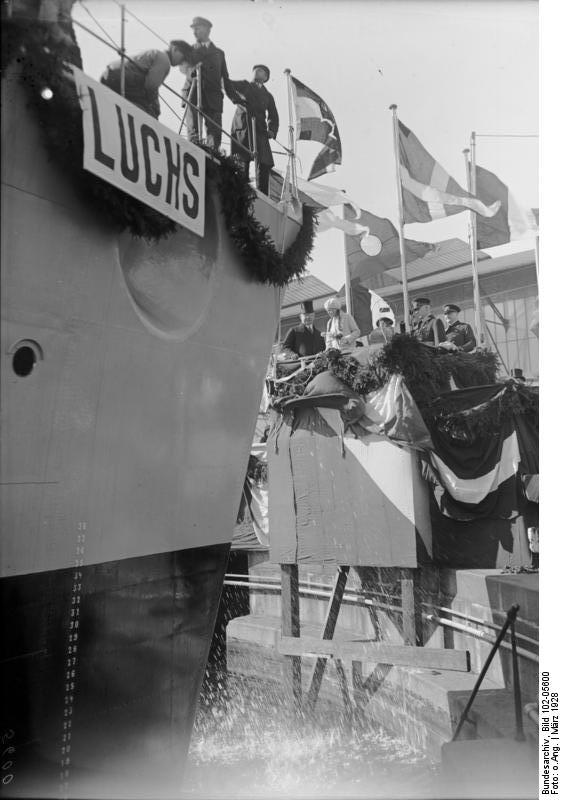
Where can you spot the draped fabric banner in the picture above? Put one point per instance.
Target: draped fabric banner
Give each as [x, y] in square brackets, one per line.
[481, 474]
[131, 150]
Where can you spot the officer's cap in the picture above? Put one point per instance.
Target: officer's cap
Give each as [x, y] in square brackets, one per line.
[451, 307]
[265, 69]
[201, 21]
[422, 301]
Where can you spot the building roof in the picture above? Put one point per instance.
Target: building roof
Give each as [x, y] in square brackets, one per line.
[425, 278]
[306, 288]
[447, 255]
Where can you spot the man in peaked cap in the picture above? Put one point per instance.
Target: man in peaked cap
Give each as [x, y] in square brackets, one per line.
[214, 82]
[458, 335]
[304, 339]
[427, 328]
[255, 103]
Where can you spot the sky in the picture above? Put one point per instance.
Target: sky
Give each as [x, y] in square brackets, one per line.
[451, 67]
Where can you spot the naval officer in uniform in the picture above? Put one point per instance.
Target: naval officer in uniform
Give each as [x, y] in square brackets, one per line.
[458, 335]
[427, 328]
[215, 81]
[255, 104]
[304, 339]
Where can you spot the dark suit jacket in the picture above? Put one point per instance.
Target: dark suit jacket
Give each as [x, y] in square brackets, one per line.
[213, 72]
[424, 330]
[461, 334]
[304, 343]
[256, 102]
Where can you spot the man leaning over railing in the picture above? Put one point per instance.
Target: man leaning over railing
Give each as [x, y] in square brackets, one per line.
[145, 73]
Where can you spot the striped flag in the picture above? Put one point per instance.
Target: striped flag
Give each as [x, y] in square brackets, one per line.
[315, 122]
[477, 476]
[428, 191]
[510, 222]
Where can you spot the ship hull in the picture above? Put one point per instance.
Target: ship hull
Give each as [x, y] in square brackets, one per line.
[108, 714]
[124, 451]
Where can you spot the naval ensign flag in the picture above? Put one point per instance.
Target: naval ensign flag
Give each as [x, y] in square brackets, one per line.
[428, 191]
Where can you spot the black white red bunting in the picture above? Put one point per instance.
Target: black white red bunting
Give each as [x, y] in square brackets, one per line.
[481, 476]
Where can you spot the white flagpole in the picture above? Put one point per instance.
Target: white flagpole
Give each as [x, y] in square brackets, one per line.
[348, 293]
[291, 137]
[537, 256]
[406, 316]
[471, 185]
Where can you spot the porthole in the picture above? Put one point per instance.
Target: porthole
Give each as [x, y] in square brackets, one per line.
[25, 355]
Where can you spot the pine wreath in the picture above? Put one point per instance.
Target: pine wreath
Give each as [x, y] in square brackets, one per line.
[60, 121]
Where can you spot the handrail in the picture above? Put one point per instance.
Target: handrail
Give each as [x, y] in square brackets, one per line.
[272, 579]
[356, 597]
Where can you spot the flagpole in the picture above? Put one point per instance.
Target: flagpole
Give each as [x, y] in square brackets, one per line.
[406, 312]
[291, 137]
[469, 155]
[537, 256]
[348, 294]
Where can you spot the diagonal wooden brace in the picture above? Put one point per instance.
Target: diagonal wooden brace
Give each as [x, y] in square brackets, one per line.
[328, 631]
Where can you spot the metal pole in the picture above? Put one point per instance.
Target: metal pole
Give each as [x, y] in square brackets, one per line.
[348, 293]
[291, 137]
[122, 51]
[254, 149]
[510, 617]
[406, 317]
[537, 255]
[516, 687]
[199, 101]
[471, 184]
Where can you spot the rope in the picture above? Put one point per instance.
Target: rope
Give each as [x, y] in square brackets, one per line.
[100, 26]
[173, 111]
[148, 28]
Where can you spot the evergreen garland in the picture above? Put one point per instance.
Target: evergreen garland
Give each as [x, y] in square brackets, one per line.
[513, 398]
[426, 371]
[60, 120]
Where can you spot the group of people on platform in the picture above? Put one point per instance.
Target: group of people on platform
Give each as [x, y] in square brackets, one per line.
[343, 333]
[206, 82]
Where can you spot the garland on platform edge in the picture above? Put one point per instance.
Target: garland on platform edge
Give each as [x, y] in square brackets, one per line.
[426, 371]
[60, 120]
[485, 420]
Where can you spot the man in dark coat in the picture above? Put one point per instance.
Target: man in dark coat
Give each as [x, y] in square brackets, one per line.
[305, 339]
[255, 103]
[214, 76]
[459, 335]
[427, 328]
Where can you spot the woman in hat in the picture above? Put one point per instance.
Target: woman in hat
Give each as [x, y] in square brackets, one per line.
[255, 103]
[342, 330]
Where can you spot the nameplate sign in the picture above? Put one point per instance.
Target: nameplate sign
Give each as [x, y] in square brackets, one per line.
[131, 150]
